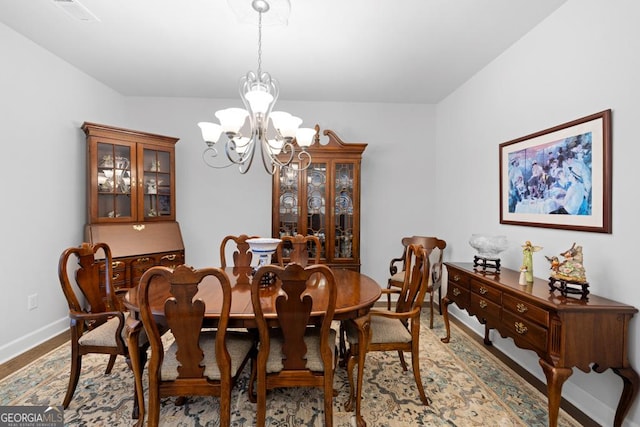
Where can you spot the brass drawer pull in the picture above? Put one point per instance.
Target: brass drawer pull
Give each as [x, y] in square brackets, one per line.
[456, 278]
[116, 264]
[115, 276]
[170, 257]
[483, 290]
[520, 328]
[483, 304]
[456, 292]
[143, 259]
[521, 308]
[139, 227]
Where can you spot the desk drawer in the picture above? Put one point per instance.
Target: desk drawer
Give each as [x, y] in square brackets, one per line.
[457, 278]
[521, 329]
[486, 292]
[526, 310]
[484, 308]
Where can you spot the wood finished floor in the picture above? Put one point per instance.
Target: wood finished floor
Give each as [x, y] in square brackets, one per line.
[29, 356]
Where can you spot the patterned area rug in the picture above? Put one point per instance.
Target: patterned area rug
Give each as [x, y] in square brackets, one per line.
[465, 384]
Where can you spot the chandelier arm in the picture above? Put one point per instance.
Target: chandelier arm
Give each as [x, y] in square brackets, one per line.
[304, 158]
[269, 161]
[212, 153]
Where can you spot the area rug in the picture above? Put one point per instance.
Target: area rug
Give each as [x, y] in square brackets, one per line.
[466, 386]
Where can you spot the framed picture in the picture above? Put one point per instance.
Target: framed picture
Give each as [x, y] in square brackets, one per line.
[559, 177]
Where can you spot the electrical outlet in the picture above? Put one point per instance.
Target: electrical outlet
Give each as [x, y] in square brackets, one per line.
[32, 302]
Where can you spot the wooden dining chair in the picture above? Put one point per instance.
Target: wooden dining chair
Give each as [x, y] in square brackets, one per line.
[96, 316]
[198, 362]
[435, 248]
[291, 353]
[242, 256]
[298, 248]
[397, 330]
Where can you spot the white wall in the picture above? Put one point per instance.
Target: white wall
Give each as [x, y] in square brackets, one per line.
[44, 103]
[583, 59]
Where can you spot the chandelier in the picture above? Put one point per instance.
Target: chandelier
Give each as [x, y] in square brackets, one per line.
[276, 143]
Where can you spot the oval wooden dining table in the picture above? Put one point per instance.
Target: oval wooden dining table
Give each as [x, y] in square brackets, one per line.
[356, 294]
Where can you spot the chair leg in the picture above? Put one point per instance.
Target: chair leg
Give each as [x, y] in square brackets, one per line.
[261, 411]
[389, 295]
[153, 415]
[328, 399]
[415, 363]
[352, 359]
[252, 379]
[402, 361]
[112, 361]
[76, 367]
[431, 310]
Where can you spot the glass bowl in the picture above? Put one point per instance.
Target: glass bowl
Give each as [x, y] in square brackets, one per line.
[488, 246]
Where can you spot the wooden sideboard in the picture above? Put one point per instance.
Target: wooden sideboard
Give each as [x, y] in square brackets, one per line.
[565, 332]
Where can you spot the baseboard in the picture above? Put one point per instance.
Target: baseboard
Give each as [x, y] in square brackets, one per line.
[23, 344]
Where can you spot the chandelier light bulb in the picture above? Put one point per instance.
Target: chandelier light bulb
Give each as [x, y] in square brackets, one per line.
[232, 119]
[304, 136]
[210, 131]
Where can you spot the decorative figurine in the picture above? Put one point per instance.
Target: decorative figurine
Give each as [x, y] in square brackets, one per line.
[569, 272]
[522, 280]
[527, 259]
[571, 268]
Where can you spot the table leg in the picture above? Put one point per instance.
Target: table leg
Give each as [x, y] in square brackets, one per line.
[445, 317]
[555, 379]
[133, 327]
[629, 392]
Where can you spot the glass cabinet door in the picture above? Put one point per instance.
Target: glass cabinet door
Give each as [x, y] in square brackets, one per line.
[288, 213]
[157, 193]
[344, 212]
[114, 179]
[316, 205]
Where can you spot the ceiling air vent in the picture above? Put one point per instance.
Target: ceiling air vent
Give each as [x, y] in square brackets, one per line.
[76, 10]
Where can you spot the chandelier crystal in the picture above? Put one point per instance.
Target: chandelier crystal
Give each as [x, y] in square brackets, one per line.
[276, 143]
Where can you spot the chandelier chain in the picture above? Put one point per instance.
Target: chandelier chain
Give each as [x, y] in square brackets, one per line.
[259, 46]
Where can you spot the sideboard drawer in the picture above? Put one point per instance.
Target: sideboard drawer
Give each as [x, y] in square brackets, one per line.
[486, 292]
[458, 294]
[483, 307]
[526, 310]
[458, 278]
[526, 330]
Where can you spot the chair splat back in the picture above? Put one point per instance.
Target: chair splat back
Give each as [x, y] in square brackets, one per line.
[292, 353]
[197, 362]
[416, 278]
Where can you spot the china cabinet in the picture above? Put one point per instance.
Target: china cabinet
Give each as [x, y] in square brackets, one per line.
[130, 175]
[322, 200]
[131, 200]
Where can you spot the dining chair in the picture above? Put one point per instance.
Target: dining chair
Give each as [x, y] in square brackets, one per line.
[96, 315]
[298, 248]
[397, 330]
[290, 352]
[198, 362]
[242, 256]
[435, 248]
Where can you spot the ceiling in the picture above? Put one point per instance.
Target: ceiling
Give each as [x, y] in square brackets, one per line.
[402, 51]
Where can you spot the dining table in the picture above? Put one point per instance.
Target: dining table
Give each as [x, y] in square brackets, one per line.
[356, 294]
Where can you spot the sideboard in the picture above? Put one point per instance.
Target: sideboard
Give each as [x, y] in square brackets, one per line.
[565, 332]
